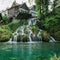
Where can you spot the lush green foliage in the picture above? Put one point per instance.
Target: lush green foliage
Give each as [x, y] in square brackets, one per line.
[13, 26]
[50, 20]
[7, 30]
[42, 7]
[5, 33]
[35, 29]
[4, 19]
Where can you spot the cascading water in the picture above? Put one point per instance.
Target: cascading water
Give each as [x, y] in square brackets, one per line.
[31, 35]
[32, 21]
[22, 30]
[52, 39]
[30, 32]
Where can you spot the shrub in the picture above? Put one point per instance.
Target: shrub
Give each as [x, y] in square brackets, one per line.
[5, 34]
[13, 26]
[35, 29]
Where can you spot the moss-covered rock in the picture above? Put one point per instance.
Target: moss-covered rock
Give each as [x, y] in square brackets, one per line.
[45, 36]
[35, 29]
[57, 36]
[22, 38]
[35, 37]
[25, 38]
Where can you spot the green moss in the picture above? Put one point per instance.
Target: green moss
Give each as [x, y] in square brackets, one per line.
[35, 29]
[25, 38]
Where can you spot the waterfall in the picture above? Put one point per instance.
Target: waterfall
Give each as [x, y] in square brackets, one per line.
[30, 32]
[39, 36]
[15, 38]
[29, 22]
[32, 21]
[52, 39]
[21, 31]
[10, 41]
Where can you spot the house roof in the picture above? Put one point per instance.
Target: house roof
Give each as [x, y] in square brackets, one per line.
[24, 6]
[14, 5]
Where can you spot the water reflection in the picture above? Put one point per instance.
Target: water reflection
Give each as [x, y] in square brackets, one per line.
[29, 51]
[22, 52]
[14, 50]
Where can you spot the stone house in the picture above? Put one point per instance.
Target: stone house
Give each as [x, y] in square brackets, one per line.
[16, 9]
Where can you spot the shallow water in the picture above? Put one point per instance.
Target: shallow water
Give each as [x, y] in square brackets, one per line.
[28, 51]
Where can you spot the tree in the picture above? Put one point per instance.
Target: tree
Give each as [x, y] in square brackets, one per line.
[42, 8]
[51, 19]
[38, 8]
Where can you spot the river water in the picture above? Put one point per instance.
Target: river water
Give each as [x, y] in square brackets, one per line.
[28, 51]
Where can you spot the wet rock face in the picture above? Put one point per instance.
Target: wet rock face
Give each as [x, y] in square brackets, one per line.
[19, 38]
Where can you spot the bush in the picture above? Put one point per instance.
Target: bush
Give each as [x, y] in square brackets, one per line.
[5, 34]
[13, 26]
[35, 29]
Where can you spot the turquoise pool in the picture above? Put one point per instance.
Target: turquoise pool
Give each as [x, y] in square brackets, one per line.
[28, 51]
